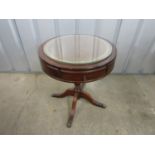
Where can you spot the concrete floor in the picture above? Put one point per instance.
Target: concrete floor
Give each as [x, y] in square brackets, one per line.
[27, 108]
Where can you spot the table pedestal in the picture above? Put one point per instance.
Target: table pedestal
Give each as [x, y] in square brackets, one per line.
[77, 93]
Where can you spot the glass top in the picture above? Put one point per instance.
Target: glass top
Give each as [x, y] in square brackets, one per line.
[77, 49]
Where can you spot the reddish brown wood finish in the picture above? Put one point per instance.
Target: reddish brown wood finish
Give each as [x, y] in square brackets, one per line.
[77, 93]
[77, 74]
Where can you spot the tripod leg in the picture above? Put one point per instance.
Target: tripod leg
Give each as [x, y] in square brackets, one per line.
[72, 113]
[68, 92]
[91, 100]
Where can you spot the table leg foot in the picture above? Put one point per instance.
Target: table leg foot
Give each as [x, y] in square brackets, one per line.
[69, 122]
[91, 100]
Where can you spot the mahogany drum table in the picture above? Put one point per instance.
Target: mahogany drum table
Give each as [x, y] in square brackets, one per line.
[77, 59]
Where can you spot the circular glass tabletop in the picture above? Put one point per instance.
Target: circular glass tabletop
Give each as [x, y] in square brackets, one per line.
[77, 49]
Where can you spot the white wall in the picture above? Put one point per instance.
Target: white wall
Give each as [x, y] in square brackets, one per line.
[134, 39]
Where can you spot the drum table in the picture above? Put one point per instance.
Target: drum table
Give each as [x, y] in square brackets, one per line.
[77, 59]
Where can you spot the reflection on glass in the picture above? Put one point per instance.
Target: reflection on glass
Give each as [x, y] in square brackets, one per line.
[77, 49]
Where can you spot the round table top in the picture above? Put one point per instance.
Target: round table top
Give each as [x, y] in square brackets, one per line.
[77, 58]
[77, 49]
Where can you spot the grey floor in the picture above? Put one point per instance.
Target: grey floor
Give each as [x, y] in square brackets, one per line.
[27, 108]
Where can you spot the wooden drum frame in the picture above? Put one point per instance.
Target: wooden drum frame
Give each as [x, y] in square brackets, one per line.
[79, 74]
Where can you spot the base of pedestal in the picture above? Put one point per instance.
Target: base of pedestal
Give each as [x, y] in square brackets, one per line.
[77, 93]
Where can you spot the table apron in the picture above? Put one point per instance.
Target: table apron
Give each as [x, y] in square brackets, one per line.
[77, 76]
